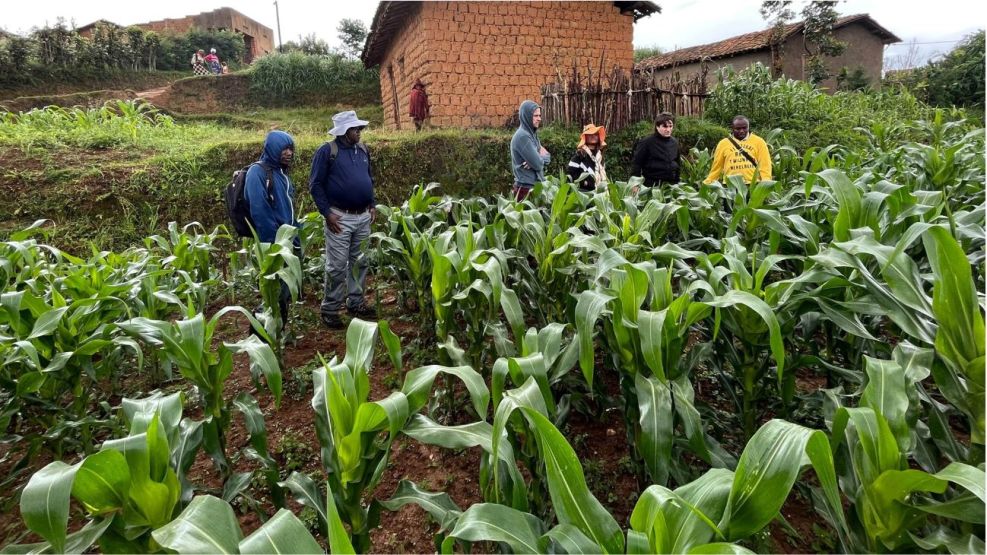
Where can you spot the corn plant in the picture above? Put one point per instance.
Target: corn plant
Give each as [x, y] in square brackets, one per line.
[705, 515]
[276, 265]
[188, 345]
[128, 488]
[209, 525]
[348, 424]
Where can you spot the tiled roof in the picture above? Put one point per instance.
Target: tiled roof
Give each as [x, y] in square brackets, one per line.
[749, 42]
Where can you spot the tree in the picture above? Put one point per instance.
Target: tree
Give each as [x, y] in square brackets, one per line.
[958, 78]
[852, 80]
[646, 52]
[817, 28]
[779, 13]
[352, 33]
[309, 44]
[819, 19]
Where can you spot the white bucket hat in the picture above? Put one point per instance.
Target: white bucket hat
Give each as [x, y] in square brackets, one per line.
[344, 120]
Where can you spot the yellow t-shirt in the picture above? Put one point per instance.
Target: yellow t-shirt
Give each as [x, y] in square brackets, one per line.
[727, 160]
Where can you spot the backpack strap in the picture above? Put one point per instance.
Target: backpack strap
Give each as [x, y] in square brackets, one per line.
[269, 184]
[742, 151]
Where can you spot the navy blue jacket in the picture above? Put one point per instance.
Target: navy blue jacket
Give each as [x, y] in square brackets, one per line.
[346, 183]
[269, 215]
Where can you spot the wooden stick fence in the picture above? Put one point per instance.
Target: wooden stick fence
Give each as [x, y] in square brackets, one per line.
[617, 100]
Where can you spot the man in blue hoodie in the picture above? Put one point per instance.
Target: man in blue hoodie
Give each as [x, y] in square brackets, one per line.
[271, 207]
[528, 157]
[342, 186]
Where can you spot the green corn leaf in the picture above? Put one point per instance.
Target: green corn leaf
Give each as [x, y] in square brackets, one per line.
[736, 297]
[439, 505]
[339, 539]
[651, 329]
[572, 540]
[45, 502]
[47, 323]
[392, 343]
[307, 493]
[262, 361]
[102, 483]
[955, 542]
[885, 393]
[498, 523]
[968, 477]
[359, 345]
[283, 533]
[76, 542]
[654, 399]
[418, 384]
[719, 549]
[589, 306]
[769, 465]
[207, 525]
[571, 498]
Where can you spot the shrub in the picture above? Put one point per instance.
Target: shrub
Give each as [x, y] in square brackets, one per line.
[805, 115]
[296, 76]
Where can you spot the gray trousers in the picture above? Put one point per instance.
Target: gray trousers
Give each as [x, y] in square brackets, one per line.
[346, 264]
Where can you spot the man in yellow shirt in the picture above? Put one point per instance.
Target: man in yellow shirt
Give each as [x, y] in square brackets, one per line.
[742, 154]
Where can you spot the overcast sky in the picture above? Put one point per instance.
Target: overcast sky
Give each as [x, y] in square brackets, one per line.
[682, 23]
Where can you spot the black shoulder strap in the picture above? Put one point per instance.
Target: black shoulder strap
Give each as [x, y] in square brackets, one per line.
[269, 184]
[742, 151]
[333, 151]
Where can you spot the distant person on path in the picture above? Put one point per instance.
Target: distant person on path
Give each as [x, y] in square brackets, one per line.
[199, 63]
[342, 186]
[742, 154]
[212, 61]
[271, 204]
[419, 106]
[528, 157]
[656, 157]
[588, 160]
[226, 69]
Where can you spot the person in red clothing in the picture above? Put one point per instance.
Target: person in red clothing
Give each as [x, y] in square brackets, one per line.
[419, 104]
[212, 62]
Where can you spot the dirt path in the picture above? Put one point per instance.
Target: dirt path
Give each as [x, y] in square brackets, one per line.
[153, 95]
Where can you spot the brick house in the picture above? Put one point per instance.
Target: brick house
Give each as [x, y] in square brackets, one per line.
[258, 39]
[865, 50]
[479, 60]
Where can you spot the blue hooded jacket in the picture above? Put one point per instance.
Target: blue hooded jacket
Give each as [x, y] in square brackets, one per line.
[525, 147]
[271, 213]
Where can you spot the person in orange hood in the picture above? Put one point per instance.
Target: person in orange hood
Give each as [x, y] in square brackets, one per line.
[586, 168]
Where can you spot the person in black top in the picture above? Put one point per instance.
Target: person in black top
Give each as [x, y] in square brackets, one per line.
[657, 156]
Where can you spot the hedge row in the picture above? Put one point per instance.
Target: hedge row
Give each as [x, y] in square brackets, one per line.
[121, 203]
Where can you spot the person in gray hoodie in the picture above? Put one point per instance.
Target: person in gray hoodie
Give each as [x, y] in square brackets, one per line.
[528, 157]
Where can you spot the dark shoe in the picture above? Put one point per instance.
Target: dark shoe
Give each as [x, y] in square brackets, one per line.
[363, 312]
[332, 321]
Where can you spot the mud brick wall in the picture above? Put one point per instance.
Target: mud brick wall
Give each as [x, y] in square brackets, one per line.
[479, 60]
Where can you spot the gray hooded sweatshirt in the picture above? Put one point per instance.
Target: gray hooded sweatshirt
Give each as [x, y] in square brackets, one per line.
[525, 147]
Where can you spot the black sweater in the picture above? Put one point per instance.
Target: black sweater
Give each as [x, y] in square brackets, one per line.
[657, 158]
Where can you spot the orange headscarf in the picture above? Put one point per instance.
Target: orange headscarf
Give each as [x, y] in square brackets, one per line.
[591, 129]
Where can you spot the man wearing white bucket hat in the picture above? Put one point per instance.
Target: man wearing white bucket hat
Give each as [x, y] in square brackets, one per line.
[342, 187]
